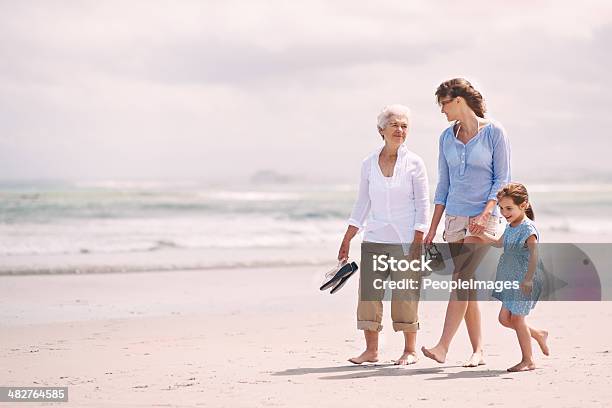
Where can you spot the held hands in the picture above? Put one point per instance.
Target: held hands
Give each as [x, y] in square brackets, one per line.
[527, 286]
[478, 224]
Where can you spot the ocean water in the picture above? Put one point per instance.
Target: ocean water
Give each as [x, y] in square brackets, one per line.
[128, 226]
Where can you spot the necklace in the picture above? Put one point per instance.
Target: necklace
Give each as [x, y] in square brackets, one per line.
[459, 128]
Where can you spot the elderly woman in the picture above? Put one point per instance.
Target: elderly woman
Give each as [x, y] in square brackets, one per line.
[393, 191]
[473, 164]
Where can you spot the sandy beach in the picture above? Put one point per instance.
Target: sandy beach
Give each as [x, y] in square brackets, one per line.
[268, 337]
[176, 178]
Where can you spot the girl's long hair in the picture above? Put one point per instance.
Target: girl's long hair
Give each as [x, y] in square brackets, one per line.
[518, 193]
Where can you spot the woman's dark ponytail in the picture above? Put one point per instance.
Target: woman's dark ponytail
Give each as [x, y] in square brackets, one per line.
[462, 87]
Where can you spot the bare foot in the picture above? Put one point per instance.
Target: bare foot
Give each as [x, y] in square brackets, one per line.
[522, 366]
[541, 339]
[475, 360]
[365, 357]
[436, 353]
[409, 357]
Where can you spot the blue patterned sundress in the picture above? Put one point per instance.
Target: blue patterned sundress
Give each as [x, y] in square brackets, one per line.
[513, 265]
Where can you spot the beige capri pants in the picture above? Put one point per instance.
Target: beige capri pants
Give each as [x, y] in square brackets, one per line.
[404, 302]
[457, 228]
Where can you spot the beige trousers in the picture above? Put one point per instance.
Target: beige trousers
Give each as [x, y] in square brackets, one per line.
[404, 302]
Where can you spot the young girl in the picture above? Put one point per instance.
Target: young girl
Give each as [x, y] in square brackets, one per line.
[520, 263]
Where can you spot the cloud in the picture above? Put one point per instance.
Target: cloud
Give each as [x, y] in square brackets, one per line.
[226, 88]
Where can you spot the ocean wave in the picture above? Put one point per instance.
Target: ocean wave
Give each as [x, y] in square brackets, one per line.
[116, 237]
[49, 207]
[117, 218]
[569, 187]
[250, 196]
[165, 267]
[159, 266]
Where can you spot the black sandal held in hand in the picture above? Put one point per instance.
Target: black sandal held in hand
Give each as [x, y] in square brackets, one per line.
[343, 280]
[338, 276]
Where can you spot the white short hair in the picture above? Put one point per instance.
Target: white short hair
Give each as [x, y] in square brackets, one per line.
[392, 110]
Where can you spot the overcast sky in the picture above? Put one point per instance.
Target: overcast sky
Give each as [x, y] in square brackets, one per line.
[218, 90]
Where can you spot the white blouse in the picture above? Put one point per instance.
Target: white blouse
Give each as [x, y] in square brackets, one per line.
[397, 205]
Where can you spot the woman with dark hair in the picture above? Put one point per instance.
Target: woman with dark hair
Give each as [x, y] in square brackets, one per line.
[473, 164]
